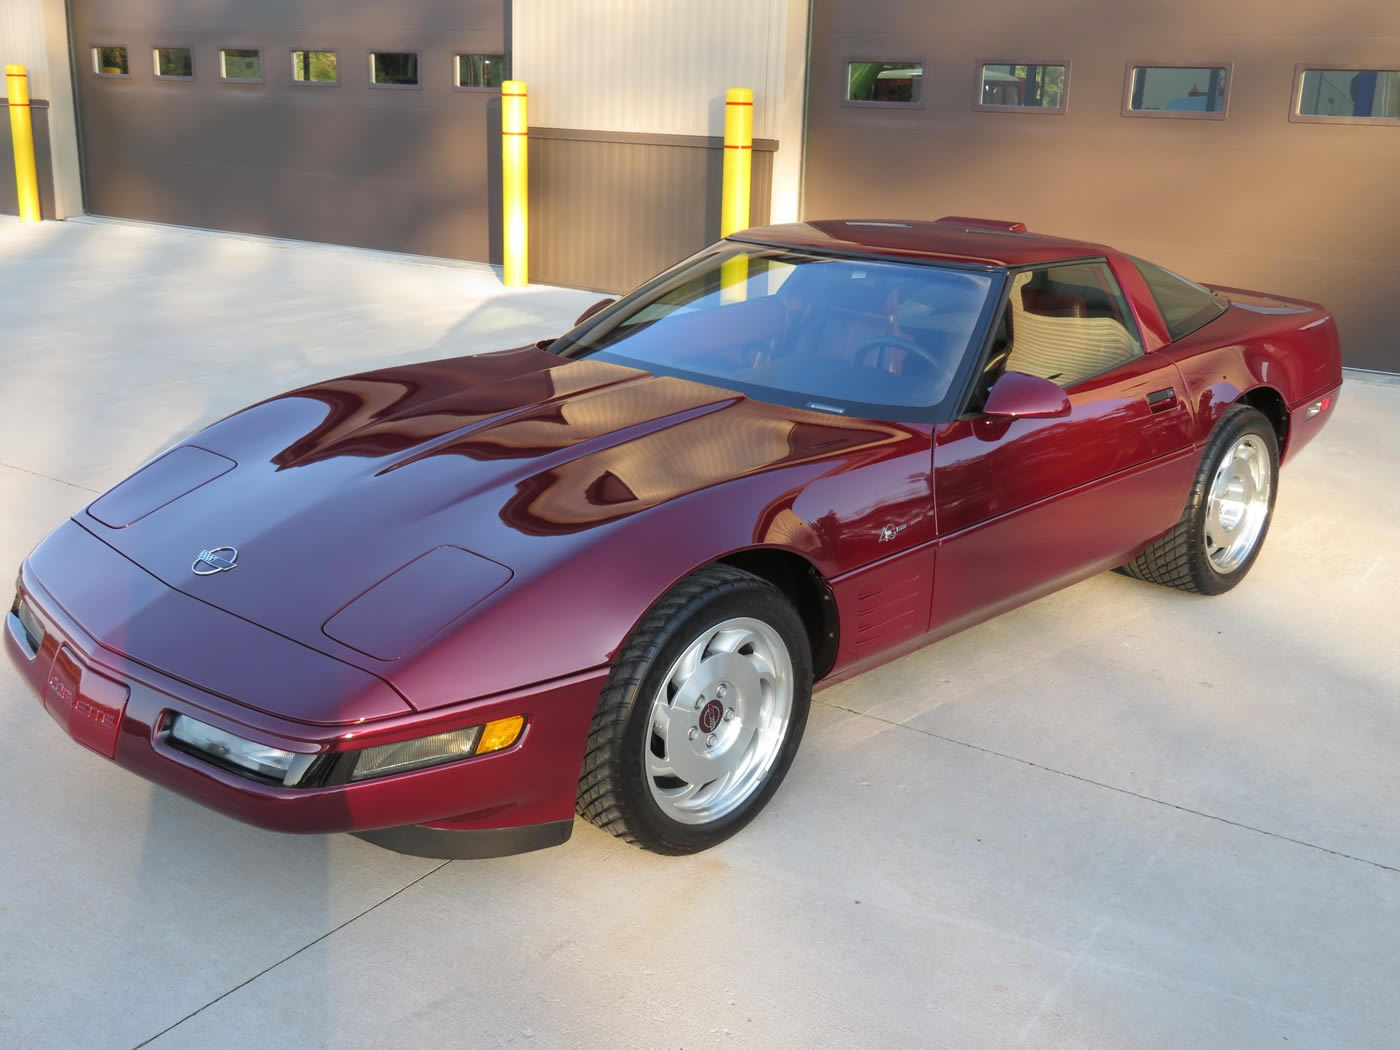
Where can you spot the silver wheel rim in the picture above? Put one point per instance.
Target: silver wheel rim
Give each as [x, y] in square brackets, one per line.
[719, 721]
[1238, 505]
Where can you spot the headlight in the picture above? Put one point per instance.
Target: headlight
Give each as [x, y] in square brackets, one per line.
[261, 761]
[436, 749]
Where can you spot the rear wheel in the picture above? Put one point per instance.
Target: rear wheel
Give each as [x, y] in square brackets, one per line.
[1227, 515]
[701, 716]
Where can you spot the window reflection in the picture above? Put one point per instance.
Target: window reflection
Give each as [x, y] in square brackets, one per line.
[1373, 93]
[1026, 86]
[1179, 90]
[314, 67]
[482, 71]
[110, 61]
[394, 67]
[177, 62]
[884, 81]
[241, 64]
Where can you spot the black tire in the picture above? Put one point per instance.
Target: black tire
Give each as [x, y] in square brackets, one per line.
[614, 792]
[1180, 558]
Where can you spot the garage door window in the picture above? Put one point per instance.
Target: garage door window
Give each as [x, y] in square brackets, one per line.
[887, 83]
[1024, 87]
[174, 63]
[1069, 323]
[314, 67]
[1196, 92]
[481, 71]
[1347, 96]
[243, 64]
[393, 68]
[110, 61]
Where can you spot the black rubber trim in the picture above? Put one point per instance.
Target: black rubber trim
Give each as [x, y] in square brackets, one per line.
[416, 840]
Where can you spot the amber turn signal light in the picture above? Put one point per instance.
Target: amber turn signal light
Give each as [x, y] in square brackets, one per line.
[500, 734]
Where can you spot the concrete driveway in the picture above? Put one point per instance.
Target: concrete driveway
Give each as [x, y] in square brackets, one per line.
[1119, 817]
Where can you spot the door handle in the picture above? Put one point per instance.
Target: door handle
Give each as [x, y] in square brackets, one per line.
[1161, 400]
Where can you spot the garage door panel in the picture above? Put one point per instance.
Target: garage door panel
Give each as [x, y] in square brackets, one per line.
[1253, 200]
[401, 169]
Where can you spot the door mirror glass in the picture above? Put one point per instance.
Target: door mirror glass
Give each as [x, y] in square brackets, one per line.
[1019, 396]
[601, 304]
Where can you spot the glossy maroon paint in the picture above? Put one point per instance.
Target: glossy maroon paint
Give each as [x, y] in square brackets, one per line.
[575, 493]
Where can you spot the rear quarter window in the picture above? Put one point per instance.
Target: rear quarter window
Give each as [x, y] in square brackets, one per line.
[1185, 305]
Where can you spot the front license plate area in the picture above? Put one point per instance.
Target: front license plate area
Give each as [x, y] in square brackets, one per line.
[87, 704]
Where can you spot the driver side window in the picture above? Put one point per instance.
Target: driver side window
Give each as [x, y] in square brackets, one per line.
[1068, 323]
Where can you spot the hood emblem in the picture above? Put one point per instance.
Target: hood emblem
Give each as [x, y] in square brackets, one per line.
[219, 559]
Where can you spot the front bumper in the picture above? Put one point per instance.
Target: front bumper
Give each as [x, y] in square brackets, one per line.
[522, 797]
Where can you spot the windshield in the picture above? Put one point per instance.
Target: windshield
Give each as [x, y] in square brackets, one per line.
[855, 337]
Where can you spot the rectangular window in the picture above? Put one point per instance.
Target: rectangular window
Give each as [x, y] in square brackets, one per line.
[890, 82]
[1344, 96]
[1178, 91]
[393, 68]
[313, 67]
[1069, 323]
[110, 62]
[1023, 86]
[244, 63]
[174, 63]
[482, 71]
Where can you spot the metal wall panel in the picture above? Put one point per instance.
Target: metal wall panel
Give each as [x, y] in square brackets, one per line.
[659, 66]
[607, 211]
[400, 169]
[9, 198]
[1253, 200]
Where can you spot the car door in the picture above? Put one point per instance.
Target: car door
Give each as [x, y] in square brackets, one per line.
[1025, 506]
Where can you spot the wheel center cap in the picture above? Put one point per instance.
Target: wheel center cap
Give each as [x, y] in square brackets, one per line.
[711, 715]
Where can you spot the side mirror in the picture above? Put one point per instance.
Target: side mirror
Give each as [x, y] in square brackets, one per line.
[1019, 396]
[601, 304]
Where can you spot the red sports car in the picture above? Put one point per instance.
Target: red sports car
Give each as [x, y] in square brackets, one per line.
[447, 606]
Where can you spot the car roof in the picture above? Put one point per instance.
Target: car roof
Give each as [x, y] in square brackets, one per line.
[955, 238]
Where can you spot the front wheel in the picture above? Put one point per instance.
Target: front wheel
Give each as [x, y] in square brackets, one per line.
[1227, 515]
[701, 716]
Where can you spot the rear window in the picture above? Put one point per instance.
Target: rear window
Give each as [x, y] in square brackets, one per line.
[1185, 305]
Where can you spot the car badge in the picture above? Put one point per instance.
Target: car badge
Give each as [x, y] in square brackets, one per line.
[889, 532]
[217, 560]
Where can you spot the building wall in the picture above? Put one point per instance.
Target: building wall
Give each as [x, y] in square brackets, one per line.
[34, 34]
[627, 125]
[1255, 200]
[649, 66]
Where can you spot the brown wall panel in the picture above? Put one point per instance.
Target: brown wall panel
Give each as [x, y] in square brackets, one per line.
[399, 169]
[1253, 200]
[43, 161]
[609, 210]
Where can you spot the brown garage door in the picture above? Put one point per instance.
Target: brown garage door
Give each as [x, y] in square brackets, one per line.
[229, 137]
[1181, 132]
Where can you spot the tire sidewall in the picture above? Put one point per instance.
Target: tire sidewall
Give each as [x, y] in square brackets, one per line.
[1241, 422]
[759, 601]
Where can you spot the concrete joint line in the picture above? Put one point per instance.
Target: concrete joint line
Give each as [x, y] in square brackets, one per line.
[293, 955]
[1109, 787]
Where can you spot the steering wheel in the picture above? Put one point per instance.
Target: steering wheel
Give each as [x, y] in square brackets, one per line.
[907, 345]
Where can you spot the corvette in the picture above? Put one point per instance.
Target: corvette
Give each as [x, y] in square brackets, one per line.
[448, 606]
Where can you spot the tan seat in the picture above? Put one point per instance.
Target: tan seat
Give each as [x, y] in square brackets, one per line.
[1054, 338]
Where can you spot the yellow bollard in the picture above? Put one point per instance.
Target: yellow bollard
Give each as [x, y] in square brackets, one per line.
[736, 182]
[22, 137]
[515, 179]
[738, 160]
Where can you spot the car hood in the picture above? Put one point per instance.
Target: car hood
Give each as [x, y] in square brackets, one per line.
[503, 459]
